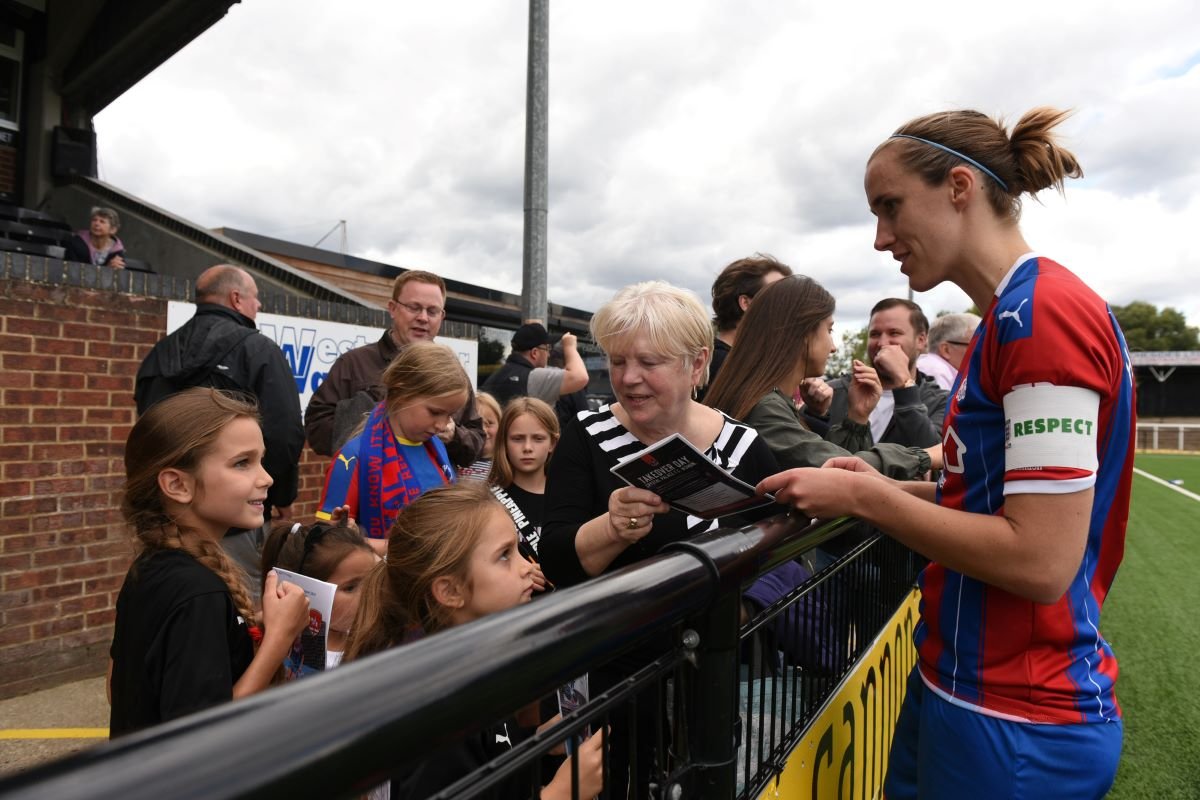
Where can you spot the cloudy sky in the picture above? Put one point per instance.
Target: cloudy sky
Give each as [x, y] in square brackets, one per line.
[683, 135]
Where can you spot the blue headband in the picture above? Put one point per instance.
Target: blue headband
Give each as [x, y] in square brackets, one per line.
[957, 154]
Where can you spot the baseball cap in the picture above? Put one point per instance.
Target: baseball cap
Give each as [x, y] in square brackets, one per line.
[531, 335]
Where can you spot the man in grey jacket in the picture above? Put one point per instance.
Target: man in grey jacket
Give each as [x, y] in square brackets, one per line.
[911, 406]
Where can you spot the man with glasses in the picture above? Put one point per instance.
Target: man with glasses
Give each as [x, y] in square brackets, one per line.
[525, 373]
[352, 387]
[949, 336]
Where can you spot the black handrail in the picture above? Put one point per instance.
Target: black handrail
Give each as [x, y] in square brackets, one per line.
[344, 730]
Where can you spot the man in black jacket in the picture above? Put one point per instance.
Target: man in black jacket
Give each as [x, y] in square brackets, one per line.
[221, 347]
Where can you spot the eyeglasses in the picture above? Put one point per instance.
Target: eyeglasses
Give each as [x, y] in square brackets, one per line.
[960, 344]
[545, 347]
[433, 312]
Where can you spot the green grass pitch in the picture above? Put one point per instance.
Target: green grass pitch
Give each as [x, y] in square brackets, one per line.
[1152, 619]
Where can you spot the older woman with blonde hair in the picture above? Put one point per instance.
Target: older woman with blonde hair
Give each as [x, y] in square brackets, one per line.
[658, 340]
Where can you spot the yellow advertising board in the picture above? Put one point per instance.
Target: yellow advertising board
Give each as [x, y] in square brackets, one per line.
[844, 754]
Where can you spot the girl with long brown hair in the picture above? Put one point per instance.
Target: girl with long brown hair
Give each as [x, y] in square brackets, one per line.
[183, 635]
[452, 558]
[783, 341]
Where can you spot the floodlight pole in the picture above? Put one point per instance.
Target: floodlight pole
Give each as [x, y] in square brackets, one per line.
[534, 303]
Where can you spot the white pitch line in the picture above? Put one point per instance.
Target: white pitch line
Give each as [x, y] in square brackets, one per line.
[1168, 484]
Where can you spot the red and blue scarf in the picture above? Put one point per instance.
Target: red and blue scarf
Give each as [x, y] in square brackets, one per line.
[391, 474]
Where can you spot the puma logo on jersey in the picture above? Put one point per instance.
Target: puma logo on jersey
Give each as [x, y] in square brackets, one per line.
[506, 738]
[345, 460]
[1015, 313]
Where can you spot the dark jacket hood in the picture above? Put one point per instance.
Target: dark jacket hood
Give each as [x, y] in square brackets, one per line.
[200, 346]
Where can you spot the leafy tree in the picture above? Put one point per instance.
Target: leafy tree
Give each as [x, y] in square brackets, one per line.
[1148, 329]
[854, 345]
[491, 354]
[490, 351]
[974, 309]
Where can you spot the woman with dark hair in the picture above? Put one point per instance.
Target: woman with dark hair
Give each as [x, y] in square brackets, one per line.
[784, 339]
[1013, 692]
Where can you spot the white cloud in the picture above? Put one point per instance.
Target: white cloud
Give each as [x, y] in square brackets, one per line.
[682, 135]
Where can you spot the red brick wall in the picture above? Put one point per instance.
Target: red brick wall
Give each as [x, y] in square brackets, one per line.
[68, 357]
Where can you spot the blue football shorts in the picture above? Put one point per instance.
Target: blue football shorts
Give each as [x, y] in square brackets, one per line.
[941, 750]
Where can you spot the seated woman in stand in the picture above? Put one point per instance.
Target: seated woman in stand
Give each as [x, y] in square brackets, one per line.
[98, 244]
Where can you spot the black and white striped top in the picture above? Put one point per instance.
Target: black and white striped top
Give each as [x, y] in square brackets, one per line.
[579, 484]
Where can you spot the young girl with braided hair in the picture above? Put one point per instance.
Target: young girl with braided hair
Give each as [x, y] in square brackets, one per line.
[183, 639]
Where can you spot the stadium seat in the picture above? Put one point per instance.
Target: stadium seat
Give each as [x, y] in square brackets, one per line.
[33, 248]
[42, 218]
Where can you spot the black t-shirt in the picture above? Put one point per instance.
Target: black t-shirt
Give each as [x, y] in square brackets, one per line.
[179, 644]
[460, 759]
[528, 514]
[720, 352]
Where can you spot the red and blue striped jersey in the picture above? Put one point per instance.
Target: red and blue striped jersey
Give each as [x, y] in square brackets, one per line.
[1046, 405]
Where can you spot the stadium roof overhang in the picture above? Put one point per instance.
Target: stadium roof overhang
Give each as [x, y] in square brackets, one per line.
[98, 49]
[1166, 358]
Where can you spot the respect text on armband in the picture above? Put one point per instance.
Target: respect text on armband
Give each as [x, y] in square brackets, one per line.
[1032, 427]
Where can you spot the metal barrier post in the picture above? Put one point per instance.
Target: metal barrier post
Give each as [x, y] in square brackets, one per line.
[712, 699]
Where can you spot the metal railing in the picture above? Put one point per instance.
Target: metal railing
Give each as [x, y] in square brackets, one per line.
[1168, 436]
[712, 678]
